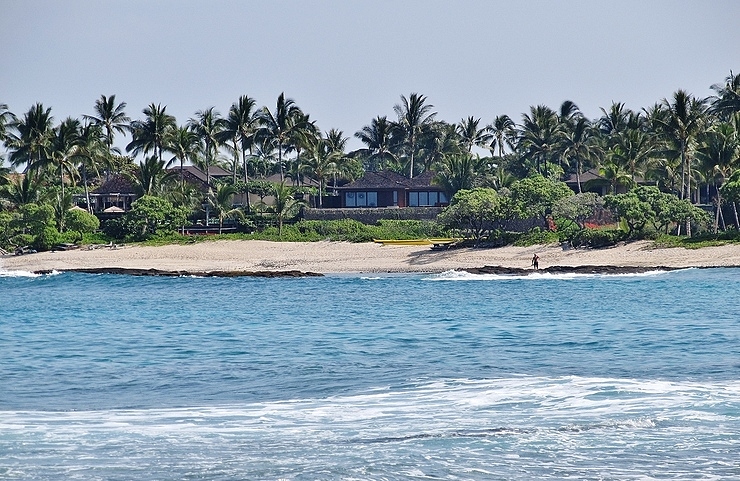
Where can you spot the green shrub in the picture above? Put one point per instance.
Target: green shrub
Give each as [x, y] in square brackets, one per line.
[598, 237]
[537, 236]
[47, 239]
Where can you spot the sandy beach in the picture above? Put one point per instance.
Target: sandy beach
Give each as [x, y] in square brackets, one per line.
[343, 257]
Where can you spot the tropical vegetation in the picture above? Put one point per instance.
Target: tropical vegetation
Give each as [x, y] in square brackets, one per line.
[670, 168]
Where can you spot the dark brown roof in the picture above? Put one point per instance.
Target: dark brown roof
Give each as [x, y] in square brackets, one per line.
[116, 184]
[391, 180]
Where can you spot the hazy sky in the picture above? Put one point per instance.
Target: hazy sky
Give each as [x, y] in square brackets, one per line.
[345, 62]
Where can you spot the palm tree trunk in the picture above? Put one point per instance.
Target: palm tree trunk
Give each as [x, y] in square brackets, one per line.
[578, 174]
[734, 210]
[87, 189]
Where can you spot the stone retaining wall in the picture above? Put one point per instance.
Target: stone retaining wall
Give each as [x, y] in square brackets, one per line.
[373, 215]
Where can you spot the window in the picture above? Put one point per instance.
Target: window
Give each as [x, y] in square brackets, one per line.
[361, 199]
[426, 198]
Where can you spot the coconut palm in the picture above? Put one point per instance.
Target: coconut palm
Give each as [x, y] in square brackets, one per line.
[471, 135]
[320, 162]
[457, 171]
[380, 141]
[29, 137]
[538, 136]
[414, 117]
[184, 146]
[281, 126]
[64, 147]
[110, 117]
[222, 203]
[151, 176]
[23, 189]
[92, 150]
[504, 133]
[284, 205]
[151, 133]
[576, 145]
[239, 128]
[208, 125]
[719, 153]
[727, 98]
[683, 120]
[6, 118]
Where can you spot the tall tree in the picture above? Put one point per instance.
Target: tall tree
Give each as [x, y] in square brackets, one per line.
[719, 153]
[576, 145]
[222, 203]
[280, 126]
[185, 147]
[471, 135]
[683, 121]
[6, 118]
[29, 137]
[414, 117]
[111, 117]
[208, 125]
[151, 133]
[240, 126]
[380, 141]
[504, 134]
[538, 136]
[727, 98]
[320, 163]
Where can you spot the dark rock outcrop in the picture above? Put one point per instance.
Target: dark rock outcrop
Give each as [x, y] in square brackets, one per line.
[165, 273]
[516, 271]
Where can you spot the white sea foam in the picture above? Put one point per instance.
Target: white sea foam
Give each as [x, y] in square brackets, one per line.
[7, 273]
[454, 275]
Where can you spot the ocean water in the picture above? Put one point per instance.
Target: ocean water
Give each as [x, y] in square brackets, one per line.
[390, 377]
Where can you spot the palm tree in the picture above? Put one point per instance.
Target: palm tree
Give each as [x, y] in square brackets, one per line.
[321, 162]
[281, 125]
[414, 117]
[22, 190]
[152, 132]
[727, 100]
[504, 133]
[30, 138]
[6, 118]
[538, 136]
[184, 146]
[633, 148]
[576, 144]
[459, 171]
[111, 117]
[64, 147]
[151, 176]
[222, 204]
[719, 153]
[92, 148]
[380, 142]
[684, 117]
[471, 135]
[284, 205]
[208, 124]
[239, 128]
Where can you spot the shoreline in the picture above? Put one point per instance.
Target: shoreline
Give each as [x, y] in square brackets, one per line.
[324, 257]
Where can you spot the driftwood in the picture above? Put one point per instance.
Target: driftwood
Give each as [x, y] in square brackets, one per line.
[165, 273]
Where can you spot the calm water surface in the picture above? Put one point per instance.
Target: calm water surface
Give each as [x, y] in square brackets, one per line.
[448, 376]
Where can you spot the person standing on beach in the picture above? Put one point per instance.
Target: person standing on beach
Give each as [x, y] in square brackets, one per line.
[536, 262]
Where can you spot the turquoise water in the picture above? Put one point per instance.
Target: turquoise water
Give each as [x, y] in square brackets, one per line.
[445, 376]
